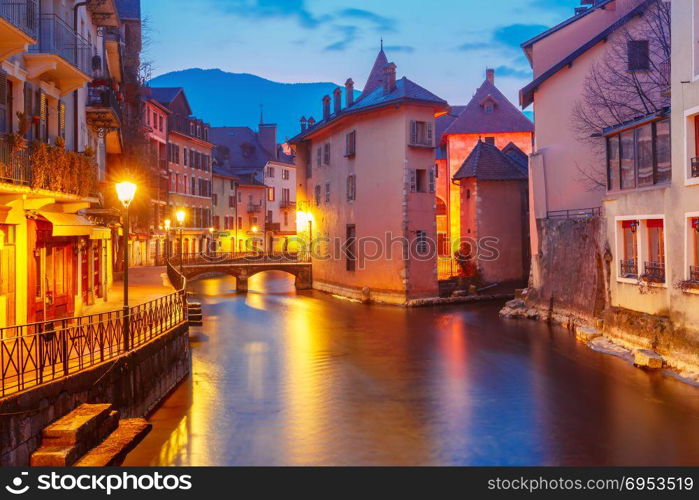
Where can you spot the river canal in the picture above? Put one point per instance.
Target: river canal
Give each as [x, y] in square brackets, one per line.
[287, 378]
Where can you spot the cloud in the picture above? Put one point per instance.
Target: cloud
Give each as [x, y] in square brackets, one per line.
[565, 6]
[400, 48]
[514, 35]
[511, 72]
[381, 23]
[259, 9]
[348, 36]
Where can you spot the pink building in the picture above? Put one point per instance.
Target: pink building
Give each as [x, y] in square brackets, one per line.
[494, 211]
[367, 189]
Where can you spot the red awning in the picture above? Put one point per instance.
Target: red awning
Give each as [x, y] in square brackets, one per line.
[655, 223]
[628, 224]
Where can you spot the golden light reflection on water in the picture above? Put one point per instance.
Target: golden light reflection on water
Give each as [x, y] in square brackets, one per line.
[174, 449]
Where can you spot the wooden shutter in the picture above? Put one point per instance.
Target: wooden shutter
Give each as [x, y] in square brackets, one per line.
[5, 124]
[412, 180]
[430, 135]
[62, 119]
[413, 132]
[432, 180]
[29, 109]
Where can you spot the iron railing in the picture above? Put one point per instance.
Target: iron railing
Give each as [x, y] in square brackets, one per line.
[57, 37]
[242, 258]
[629, 268]
[105, 98]
[15, 167]
[24, 14]
[583, 213]
[694, 274]
[695, 167]
[39, 353]
[287, 205]
[254, 208]
[447, 269]
[654, 271]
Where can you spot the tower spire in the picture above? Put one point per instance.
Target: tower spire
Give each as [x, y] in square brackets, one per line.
[262, 109]
[382, 43]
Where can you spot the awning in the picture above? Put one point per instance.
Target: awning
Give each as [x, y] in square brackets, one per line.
[68, 224]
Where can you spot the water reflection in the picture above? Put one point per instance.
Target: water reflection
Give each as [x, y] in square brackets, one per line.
[281, 378]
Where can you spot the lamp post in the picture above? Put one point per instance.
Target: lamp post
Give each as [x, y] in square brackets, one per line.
[126, 191]
[168, 225]
[180, 216]
[212, 246]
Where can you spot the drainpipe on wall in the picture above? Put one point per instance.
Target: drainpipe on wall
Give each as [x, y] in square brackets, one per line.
[75, 94]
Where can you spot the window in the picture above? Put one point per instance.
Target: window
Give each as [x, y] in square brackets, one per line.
[240, 223]
[319, 156]
[286, 194]
[421, 134]
[351, 187]
[173, 183]
[326, 153]
[217, 222]
[232, 184]
[231, 201]
[271, 194]
[422, 245]
[285, 174]
[693, 253]
[640, 157]
[327, 192]
[654, 267]
[270, 217]
[351, 144]
[489, 108]
[270, 172]
[421, 180]
[185, 157]
[286, 218]
[184, 184]
[629, 262]
[639, 57]
[317, 195]
[351, 248]
[160, 123]
[240, 197]
[194, 186]
[214, 199]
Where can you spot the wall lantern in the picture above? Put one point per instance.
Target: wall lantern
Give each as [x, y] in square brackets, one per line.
[634, 226]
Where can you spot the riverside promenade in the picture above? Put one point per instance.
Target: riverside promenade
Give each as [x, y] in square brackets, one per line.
[145, 284]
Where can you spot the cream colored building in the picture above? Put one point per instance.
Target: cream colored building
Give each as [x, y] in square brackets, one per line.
[280, 220]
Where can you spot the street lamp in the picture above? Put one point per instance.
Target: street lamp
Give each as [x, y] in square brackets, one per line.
[180, 215]
[168, 225]
[212, 247]
[126, 191]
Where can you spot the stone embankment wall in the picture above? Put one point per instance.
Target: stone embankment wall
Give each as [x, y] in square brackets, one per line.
[134, 384]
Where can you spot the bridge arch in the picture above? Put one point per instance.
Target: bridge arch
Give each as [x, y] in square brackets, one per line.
[243, 272]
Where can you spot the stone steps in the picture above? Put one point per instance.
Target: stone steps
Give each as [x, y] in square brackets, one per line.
[196, 316]
[73, 436]
[113, 451]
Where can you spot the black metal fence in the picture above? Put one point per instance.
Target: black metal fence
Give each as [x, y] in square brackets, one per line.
[583, 213]
[695, 167]
[104, 97]
[629, 268]
[57, 37]
[24, 14]
[15, 167]
[38, 353]
[654, 271]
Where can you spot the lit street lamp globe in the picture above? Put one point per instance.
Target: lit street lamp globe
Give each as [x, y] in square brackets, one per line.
[126, 191]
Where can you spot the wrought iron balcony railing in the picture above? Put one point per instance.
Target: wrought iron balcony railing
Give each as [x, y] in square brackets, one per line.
[24, 14]
[56, 37]
[105, 98]
[287, 205]
[15, 167]
[694, 274]
[629, 268]
[695, 167]
[655, 272]
[254, 208]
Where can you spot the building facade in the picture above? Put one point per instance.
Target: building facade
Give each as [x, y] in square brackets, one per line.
[367, 189]
[189, 170]
[224, 199]
[59, 120]
[280, 218]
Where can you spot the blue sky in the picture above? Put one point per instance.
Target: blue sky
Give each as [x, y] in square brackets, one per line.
[444, 45]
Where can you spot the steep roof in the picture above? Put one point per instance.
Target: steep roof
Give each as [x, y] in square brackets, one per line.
[405, 91]
[375, 79]
[526, 95]
[474, 119]
[239, 147]
[516, 154]
[487, 163]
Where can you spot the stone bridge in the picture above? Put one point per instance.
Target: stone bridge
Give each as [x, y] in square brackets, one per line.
[242, 271]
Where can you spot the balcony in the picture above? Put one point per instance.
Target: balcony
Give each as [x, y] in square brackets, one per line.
[273, 227]
[695, 167]
[654, 272]
[103, 108]
[287, 205]
[114, 51]
[61, 55]
[629, 269]
[18, 26]
[15, 167]
[254, 208]
[103, 12]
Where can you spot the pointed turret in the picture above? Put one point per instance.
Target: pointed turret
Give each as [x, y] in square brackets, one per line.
[376, 76]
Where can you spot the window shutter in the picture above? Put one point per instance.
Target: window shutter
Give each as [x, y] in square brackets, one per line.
[347, 145]
[43, 114]
[62, 119]
[430, 140]
[413, 132]
[432, 182]
[412, 180]
[4, 125]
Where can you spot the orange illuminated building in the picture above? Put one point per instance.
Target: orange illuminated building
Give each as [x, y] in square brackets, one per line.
[489, 117]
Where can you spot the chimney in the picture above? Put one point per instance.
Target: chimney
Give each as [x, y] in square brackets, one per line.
[389, 78]
[337, 96]
[267, 134]
[349, 92]
[490, 75]
[303, 124]
[311, 122]
[326, 107]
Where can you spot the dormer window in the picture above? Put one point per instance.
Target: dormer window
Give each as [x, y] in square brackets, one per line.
[489, 108]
